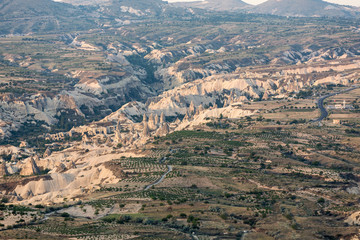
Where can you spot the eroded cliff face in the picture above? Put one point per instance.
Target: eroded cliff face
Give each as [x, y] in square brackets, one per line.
[167, 72]
[207, 86]
[94, 94]
[40, 107]
[223, 89]
[81, 167]
[73, 173]
[190, 69]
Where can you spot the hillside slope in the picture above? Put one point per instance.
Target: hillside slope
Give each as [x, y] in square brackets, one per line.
[216, 5]
[305, 8]
[22, 16]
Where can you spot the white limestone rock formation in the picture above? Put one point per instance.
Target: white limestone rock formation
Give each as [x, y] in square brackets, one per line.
[118, 125]
[71, 132]
[23, 144]
[151, 123]
[96, 142]
[186, 118]
[266, 96]
[162, 118]
[156, 119]
[163, 130]
[47, 153]
[353, 219]
[146, 131]
[192, 109]
[118, 137]
[70, 184]
[29, 168]
[144, 118]
[108, 142]
[61, 168]
[85, 139]
[3, 169]
[200, 109]
[36, 158]
[71, 165]
[132, 129]
[14, 157]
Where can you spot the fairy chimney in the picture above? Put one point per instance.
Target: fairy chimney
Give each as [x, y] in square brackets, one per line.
[47, 153]
[151, 122]
[162, 118]
[163, 130]
[30, 168]
[3, 169]
[156, 119]
[146, 131]
[192, 108]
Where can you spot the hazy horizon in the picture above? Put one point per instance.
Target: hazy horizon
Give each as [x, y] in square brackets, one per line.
[255, 2]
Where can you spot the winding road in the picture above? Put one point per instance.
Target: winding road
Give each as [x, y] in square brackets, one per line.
[320, 102]
[170, 168]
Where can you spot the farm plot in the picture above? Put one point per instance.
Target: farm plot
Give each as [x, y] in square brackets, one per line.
[176, 194]
[139, 171]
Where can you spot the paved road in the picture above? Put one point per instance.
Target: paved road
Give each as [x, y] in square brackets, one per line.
[170, 168]
[323, 112]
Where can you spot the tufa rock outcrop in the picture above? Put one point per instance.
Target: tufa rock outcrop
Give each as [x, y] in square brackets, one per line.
[47, 153]
[3, 169]
[30, 168]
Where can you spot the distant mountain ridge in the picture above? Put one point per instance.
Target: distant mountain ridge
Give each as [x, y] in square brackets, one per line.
[84, 2]
[216, 5]
[293, 8]
[305, 8]
[24, 8]
[40, 16]
[25, 16]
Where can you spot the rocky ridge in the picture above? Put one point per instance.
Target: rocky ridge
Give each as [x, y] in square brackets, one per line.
[305, 8]
[207, 86]
[215, 5]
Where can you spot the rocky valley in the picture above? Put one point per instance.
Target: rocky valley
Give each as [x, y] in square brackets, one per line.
[149, 120]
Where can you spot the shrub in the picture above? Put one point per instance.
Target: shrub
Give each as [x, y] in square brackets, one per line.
[321, 201]
[65, 214]
[224, 216]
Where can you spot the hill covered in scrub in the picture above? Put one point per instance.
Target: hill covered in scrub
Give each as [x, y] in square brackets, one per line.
[306, 8]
